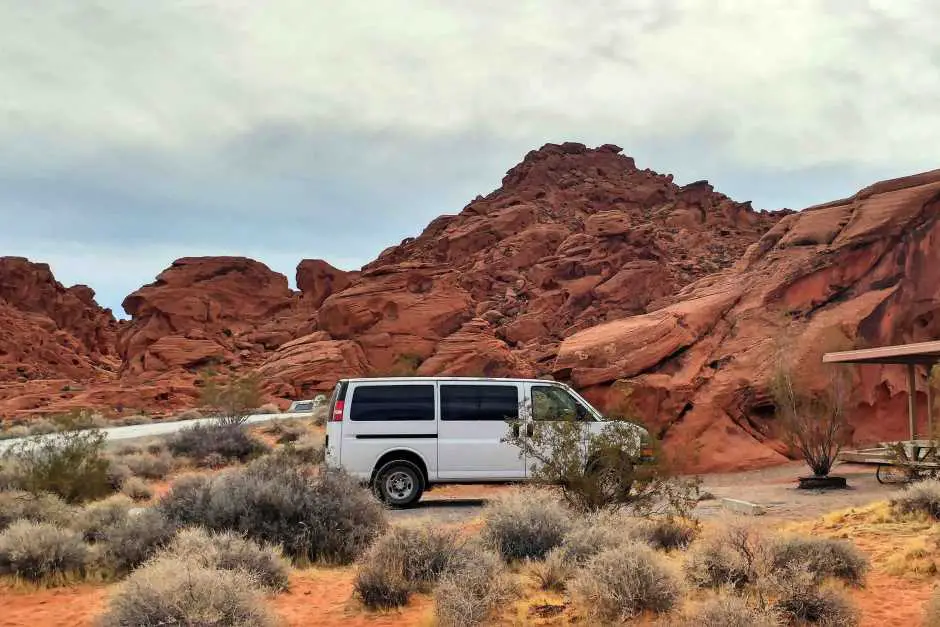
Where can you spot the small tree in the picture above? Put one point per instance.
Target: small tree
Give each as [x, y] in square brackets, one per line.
[812, 422]
[233, 400]
[610, 467]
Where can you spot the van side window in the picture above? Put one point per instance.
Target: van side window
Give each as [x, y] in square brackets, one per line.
[392, 402]
[550, 403]
[479, 402]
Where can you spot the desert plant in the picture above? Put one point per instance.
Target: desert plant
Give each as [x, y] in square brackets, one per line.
[135, 539]
[233, 400]
[921, 498]
[149, 466]
[588, 536]
[230, 551]
[19, 505]
[70, 464]
[731, 555]
[92, 520]
[811, 422]
[730, 611]
[137, 419]
[612, 468]
[327, 518]
[403, 561]
[473, 584]
[306, 450]
[821, 557]
[117, 473]
[136, 489]
[41, 551]
[620, 583]
[665, 533]
[181, 592]
[226, 441]
[42, 426]
[800, 598]
[525, 525]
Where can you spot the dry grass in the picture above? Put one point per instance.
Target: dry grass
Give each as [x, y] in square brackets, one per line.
[18, 505]
[41, 552]
[474, 584]
[137, 489]
[174, 591]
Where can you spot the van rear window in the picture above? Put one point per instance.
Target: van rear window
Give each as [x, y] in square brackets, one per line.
[479, 402]
[392, 402]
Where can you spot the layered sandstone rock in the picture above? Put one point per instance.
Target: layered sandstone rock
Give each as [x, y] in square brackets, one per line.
[196, 314]
[864, 271]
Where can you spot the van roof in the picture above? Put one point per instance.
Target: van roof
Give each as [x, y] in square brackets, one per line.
[503, 379]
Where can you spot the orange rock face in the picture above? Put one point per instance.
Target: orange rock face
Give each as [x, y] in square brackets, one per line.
[864, 271]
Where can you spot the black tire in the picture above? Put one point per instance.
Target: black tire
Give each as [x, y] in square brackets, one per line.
[890, 474]
[398, 484]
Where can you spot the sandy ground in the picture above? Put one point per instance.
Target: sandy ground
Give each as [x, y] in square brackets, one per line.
[323, 596]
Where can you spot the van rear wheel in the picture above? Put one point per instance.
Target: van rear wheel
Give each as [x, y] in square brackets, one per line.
[398, 484]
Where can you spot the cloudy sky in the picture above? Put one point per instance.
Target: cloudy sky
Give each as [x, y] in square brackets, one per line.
[133, 132]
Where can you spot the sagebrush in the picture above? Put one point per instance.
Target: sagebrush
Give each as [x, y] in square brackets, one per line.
[525, 525]
[20, 505]
[41, 551]
[133, 540]
[204, 442]
[822, 557]
[922, 498]
[472, 586]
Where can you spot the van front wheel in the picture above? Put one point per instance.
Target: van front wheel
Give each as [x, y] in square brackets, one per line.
[398, 484]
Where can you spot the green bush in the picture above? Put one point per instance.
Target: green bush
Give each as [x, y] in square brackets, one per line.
[229, 551]
[70, 464]
[525, 525]
[620, 583]
[403, 561]
[41, 551]
[19, 505]
[327, 518]
[230, 442]
[180, 592]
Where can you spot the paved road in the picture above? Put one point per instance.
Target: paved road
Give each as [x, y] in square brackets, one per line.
[161, 428]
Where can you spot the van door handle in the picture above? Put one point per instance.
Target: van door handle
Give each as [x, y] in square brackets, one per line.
[529, 430]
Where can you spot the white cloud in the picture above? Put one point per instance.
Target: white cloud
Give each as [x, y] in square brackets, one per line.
[302, 128]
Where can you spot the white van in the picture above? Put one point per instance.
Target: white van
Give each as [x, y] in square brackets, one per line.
[404, 434]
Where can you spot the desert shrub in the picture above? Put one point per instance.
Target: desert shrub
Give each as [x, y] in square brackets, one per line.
[801, 598]
[135, 539]
[730, 611]
[403, 561]
[473, 584]
[189, 414]
[117, 473]
[180, 592]
[269, 408]
[822, 557]
[19, 505]
[128, 448]
[16, 431]
[229, 551]
[732, 555]
[306, 450]
[41, 551]
[588, 536]
[136, 489]
[42, 426]
[932, 610]
[922, 498]
[614, 468]
[327, 518]
[149, 466]
[92, 520]
[620, 583]
[233, 399]
[226, 441]
[666, 533]
[291, 433]
[155, 447]
[525, 525]
[137, 419]
[71, 465]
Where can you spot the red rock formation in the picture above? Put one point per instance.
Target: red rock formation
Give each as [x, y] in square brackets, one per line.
[316, 279]
[863, 271]
[201, 311]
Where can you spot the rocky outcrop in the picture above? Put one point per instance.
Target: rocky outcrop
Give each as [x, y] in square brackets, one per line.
[202, 311]
[864, 271]
[316, 280]
[48, 330]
